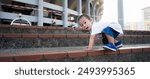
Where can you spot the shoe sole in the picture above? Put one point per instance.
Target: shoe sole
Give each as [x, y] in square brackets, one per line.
[121, 45]
[109, 48]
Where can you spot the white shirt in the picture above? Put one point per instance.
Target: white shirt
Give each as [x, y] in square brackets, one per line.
[97, 27]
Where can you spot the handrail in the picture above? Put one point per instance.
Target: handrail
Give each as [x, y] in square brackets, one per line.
[18, 19]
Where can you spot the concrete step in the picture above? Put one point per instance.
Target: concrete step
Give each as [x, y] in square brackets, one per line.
[21, 40]
[57, 30]
[76, 54]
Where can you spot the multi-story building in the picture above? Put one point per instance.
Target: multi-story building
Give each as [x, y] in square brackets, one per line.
[146, 17]
[134, 26]
[47, 12]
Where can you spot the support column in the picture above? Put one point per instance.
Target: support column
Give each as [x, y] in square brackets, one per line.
[94, 10]
[40, 12]
[98, 10]
[79, 7]
[0, 10]
[120, 13]
[0, 5]
[88, 7]
[98, 17]
[65, 13]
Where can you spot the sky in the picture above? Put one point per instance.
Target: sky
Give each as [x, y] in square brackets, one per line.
[132, 10]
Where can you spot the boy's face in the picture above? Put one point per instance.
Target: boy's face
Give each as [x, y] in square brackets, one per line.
[85, 23]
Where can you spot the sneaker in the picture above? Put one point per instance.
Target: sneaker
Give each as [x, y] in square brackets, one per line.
[110, 46]
[118, 44]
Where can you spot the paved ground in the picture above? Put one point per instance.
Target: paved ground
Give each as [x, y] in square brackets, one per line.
[60, 49]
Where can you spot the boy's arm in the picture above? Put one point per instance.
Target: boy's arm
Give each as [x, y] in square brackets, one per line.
[91, 41]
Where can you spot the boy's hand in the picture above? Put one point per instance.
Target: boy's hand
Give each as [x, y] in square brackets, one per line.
[91, 42]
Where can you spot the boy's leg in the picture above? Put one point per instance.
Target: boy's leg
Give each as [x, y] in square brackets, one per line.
[104, 39]
[110, 39]
[110, 35]
[109, 42]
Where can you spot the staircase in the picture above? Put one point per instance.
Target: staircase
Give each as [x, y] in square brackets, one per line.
[48, 43]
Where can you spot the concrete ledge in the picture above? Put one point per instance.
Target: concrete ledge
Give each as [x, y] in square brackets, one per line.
[68, 53]
[28, 57]
[95, 52]
[12, 35]
[1, 35]
[40, 27]
[55, 55]
[9, 35]
[76, 54]
[22, 35]
[29, 35]
[62, 28]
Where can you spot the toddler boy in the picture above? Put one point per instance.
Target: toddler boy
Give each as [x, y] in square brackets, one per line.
[109, 32]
